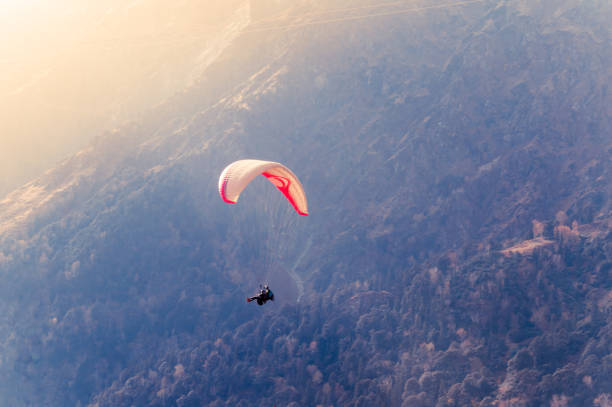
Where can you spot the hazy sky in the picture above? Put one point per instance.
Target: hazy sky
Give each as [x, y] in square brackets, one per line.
[71, 69]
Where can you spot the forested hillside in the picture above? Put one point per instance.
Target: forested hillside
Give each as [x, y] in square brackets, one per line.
[457, 162]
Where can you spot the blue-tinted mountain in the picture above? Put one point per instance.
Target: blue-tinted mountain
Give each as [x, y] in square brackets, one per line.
[457, 161]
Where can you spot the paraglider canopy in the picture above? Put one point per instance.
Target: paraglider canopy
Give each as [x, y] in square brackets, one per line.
[236, 176]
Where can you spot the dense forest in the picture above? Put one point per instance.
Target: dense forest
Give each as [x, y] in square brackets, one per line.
[457, 162]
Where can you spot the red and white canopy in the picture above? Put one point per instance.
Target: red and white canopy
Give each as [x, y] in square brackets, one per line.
[236, 176]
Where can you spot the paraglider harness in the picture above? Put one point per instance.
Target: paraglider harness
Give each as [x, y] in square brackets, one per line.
[264, 295]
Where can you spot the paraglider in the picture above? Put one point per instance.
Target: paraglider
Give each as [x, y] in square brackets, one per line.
[265, 295]
[236, 176]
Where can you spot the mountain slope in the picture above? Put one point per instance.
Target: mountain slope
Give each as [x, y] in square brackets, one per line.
[71, 70]
[457, 164]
